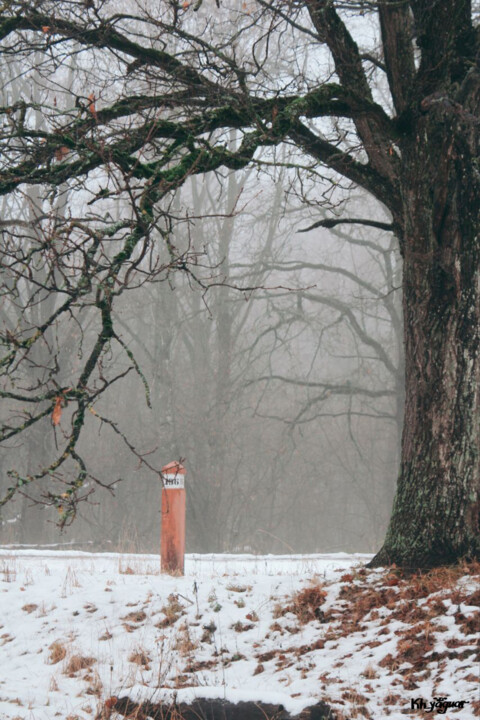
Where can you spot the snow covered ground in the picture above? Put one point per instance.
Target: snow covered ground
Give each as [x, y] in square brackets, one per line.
[79, 628]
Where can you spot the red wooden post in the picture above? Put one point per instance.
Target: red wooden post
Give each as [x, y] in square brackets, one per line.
[173, 519]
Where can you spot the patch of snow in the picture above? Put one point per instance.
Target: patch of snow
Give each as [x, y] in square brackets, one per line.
[77, 628]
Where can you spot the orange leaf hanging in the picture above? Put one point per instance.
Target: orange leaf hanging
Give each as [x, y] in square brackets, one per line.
[91, 105]
[57, 410]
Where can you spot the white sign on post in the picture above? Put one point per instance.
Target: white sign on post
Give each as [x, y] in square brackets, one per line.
[174, 482]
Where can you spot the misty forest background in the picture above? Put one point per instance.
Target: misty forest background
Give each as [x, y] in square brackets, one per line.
[274, 368]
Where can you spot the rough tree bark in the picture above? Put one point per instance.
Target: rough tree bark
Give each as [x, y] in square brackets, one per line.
[436, 511]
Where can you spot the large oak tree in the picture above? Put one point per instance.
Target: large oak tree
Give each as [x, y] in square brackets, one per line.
[384, 95]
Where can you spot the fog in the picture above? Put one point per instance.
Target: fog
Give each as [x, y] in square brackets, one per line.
[283, 401]
[267, 360]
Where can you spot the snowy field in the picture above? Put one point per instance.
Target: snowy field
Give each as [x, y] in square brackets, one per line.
[77, 629]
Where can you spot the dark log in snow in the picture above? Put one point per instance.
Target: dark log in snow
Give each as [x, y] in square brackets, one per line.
[206, 709]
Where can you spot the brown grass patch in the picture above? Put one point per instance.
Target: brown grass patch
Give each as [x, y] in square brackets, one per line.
[129, 628]
[173, 611]
[184, 644]
[473, 599]
[354, 696]
[266, 656]
[468, 625]
[200, 665]
[389, 662]
[126, 570]
[238, 588]
[95, 687]
[242, 627]
[303, 649]
[136, 616]
[77, 663]
[139, 657]
[30, 607]
[362, 600]
[58, 652]
[306, 604]
[369, 673]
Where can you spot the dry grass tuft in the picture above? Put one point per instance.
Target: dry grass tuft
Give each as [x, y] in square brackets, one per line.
[184, 644]
[242, 627]
[370, 673]
[126, 570]
[197, 666]
[139, 657]
[8, 569]
[238, 588]
[129, 628]
[58, 652]
[306, 603]
[77, 663]
[30, 607]
[134, 566]
[357, 704]
[71, 581]
[137, 616]
[173, 611]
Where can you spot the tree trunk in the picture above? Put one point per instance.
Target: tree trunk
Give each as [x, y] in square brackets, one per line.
[435, 516]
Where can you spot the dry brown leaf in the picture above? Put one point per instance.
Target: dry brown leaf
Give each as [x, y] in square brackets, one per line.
[91, 105]
[57, 410]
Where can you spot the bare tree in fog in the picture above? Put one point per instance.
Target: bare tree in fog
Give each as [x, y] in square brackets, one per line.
[195, 347]
[347, 369]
